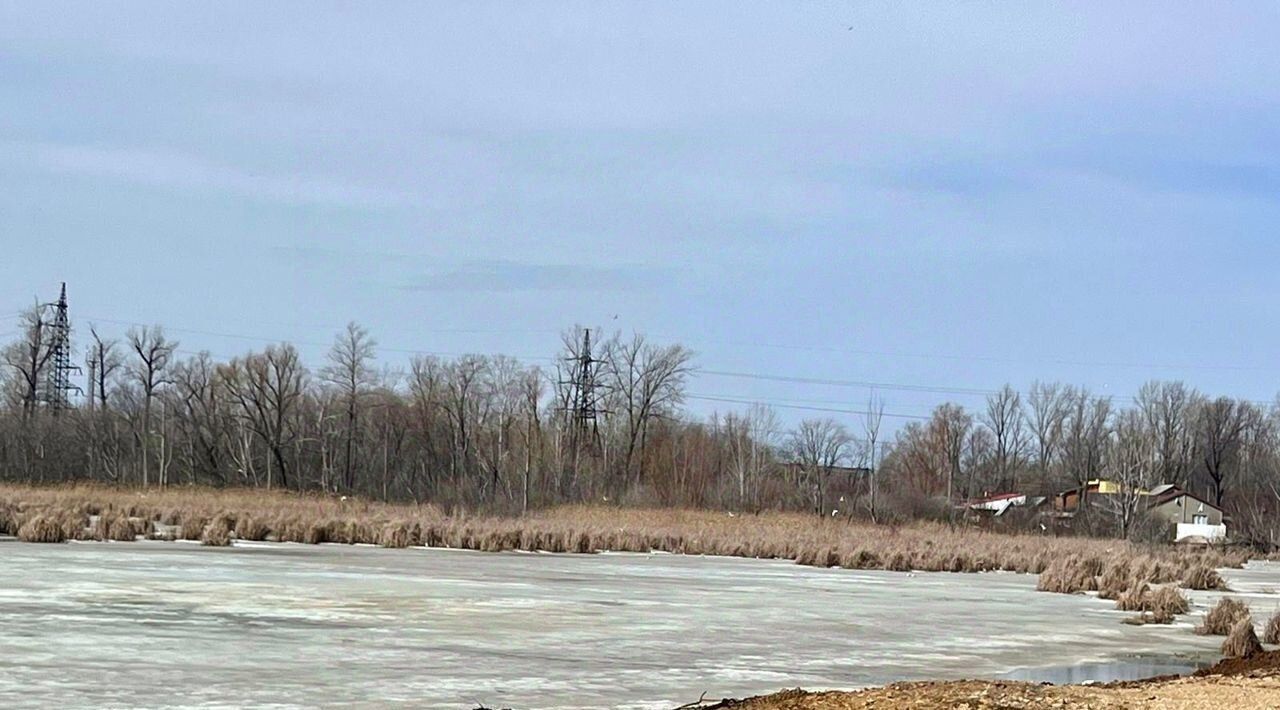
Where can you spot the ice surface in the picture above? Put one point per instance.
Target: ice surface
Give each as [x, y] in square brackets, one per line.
[154, 624]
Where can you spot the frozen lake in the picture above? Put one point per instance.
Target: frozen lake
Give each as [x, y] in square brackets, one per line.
[154, 624]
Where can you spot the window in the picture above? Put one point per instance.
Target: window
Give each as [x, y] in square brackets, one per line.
[1200, 519]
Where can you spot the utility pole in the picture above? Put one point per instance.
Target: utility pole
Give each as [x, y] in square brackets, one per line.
[58, 383]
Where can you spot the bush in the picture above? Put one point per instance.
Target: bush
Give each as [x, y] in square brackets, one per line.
[1203, 577]
[1223, 617]
[193, 527]
[249, 528]
[1115, 580]
[1242, 641]
[1272, 633]
[1136, 599]
[115, 526]
[1166, 603]
[8, 520]
[1071, 575]
[42, 528]
[396, 535]
[217, 533]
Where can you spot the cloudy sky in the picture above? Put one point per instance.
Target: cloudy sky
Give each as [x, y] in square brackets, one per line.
[935, 197]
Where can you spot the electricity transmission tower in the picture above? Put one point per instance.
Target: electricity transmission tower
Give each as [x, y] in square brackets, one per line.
[58, 379]
[584, 397]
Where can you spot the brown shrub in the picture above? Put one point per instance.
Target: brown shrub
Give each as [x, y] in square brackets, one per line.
[42, 528]
[8, 519]
[899, 562]
[1166, 603]
[217, 533]
[115, 526]
[1271, 634]
[1070, 575]
[192, 527]
[1203, 577]
[1223, 617]
[397, 535]
[1135, 599]
[860, 559]
[1115, 580]
[251, 528]
[1242, 641]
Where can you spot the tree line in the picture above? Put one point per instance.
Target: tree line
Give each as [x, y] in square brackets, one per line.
[492, 432]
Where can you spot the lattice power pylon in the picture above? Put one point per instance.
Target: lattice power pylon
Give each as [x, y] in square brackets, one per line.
[58, 378]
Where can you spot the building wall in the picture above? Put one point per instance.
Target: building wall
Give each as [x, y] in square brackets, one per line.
[1183, 509]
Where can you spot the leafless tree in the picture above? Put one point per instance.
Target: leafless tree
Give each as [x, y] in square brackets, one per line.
[1004, 418]
[1169, 409]
[350, 371]
[817, 446]
[1130, 462]
[1219, 428]
[1050, 405]
[647, 381]
[268, 387]
[871, 427]
[154, 353]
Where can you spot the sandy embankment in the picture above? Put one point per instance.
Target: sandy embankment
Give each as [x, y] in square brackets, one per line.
[1239, 684]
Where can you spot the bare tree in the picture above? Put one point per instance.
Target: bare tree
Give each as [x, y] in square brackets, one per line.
[871, 427]
[268, 388]
[1169, 409]
[949, 429]
[1130, 462]
[647, 381]
[817, 446]
[350, 371]
[29, 357]
[1219, 431]
[1004, 418]
[154, 351]
[1085, 438]
[749, 437]
[1050, 406]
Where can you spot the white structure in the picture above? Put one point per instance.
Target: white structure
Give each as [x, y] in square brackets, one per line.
[1209, 533]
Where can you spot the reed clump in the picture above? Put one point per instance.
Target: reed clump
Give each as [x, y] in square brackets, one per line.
[1242, 641]
[217, 532]
[115, 525]
[42, 528]
[1271, 633]
[1203, 577]
[1223, 617]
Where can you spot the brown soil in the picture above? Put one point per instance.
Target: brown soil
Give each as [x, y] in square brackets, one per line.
[1239, 684]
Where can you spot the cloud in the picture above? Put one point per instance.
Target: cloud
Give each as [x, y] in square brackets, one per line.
[499, 276]
[189, 173]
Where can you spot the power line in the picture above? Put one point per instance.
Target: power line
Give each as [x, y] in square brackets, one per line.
[953, 391]
[807, 408]
[973, 358]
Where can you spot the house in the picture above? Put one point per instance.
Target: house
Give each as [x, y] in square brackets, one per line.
[1192, 516]
[1068, 501]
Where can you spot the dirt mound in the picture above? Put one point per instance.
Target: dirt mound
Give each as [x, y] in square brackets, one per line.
[1265, 661]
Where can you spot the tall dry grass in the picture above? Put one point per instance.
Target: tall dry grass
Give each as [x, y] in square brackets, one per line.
[1242, 641]
[1065, 564]
[1223, 617]
[1271, 633]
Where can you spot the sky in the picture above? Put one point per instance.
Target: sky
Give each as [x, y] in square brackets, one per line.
[932, 198]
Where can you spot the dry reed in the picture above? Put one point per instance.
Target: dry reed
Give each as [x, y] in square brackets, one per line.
[1242, 642]
[1065, 564]
[1271, 634]
[1223, 617]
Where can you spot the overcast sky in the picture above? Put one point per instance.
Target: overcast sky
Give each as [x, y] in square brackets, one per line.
[931, 196]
